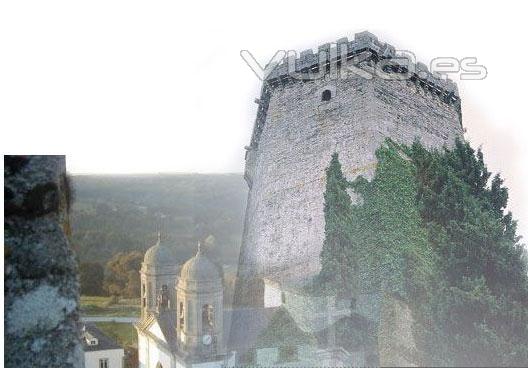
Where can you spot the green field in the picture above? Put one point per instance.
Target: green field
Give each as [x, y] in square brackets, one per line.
[105, 306]
[124, 333]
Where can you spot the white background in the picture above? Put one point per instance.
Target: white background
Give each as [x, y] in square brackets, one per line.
[159, 86]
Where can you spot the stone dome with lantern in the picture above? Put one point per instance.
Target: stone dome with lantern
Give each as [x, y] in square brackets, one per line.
[161, 257]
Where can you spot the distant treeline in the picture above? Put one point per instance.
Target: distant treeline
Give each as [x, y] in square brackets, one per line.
[122, 213]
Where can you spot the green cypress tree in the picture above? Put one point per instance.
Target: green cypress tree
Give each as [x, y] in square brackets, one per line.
[337, 211]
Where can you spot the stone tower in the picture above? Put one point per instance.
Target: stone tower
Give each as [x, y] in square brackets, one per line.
[346, 98]
[159, 274]
[200, 309]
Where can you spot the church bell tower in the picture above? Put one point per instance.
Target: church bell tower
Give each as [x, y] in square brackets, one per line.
[159, 272]
[199, 308]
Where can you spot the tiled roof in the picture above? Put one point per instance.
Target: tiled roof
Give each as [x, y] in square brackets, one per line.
[104, 342]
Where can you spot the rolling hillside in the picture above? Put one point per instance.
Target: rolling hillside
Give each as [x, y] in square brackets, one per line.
[122, 213]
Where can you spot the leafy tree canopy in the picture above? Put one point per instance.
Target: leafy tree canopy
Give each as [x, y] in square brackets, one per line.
[91, 276]
[122, 274]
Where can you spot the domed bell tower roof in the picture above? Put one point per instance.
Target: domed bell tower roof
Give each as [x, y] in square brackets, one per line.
[161, 255]
[200, 268]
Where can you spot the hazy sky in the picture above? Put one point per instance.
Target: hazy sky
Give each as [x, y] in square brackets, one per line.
[159, 86]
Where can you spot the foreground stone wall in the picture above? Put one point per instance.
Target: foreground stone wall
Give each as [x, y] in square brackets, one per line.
[296, 133]
[41, 288]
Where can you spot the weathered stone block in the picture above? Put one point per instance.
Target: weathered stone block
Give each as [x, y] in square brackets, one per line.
[41, 288]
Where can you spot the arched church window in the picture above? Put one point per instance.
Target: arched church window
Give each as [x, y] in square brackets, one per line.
[207, 317]
[182, 318]
[327, 95]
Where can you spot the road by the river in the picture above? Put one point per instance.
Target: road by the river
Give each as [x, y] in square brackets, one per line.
[109, 319]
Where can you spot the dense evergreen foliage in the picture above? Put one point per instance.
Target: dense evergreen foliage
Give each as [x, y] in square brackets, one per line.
[379, 242]
[431, 228]
[338, 238]
[479, 301]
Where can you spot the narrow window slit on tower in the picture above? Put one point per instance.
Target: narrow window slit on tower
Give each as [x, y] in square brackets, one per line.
[327, 95]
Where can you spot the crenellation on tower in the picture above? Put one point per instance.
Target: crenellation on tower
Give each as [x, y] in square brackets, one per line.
[363, 41]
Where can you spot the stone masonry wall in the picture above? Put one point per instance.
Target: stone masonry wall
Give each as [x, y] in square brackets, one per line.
[41, 288]
[284, 225]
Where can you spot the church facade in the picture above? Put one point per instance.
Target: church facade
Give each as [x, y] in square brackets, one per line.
[184, 324]
[182, 312]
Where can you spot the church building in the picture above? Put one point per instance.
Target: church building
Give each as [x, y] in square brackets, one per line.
[183, 322]
[181, 312]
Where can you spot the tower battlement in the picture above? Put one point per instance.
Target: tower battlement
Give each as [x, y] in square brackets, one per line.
[310, 62]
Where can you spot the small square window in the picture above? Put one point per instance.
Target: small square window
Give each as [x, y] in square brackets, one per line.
[103, 363]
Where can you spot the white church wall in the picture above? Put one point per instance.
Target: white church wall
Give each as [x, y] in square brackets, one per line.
[156, 331]
[114, 356]
[143, 351]
[157, 355]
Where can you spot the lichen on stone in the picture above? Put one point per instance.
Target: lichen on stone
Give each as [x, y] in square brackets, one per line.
[40, 274]
[43, 308]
